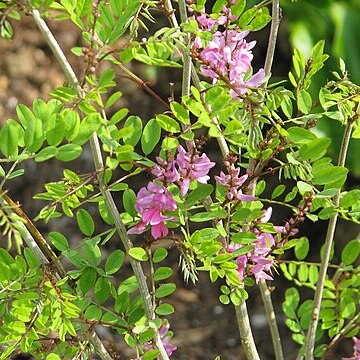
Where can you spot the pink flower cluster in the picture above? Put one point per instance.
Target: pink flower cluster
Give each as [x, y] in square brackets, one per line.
[154, 200]
[228, 55]
[185, 167]
[233, 183]
[257, 260]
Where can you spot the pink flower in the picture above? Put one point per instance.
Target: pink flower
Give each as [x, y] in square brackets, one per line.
[151, 202]
[233, 183]
[165, 172]
[227, 55]
[192, 167]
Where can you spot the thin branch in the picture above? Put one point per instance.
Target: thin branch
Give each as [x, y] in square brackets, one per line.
[98, 162]
[275, 22]
[246, 336]
[269, 308]
[310, 340]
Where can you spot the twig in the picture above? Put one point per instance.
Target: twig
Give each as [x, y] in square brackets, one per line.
[98, 162]
[269, 308]
[310, 340]
[275, 22]
[246, 336]
[265, 293]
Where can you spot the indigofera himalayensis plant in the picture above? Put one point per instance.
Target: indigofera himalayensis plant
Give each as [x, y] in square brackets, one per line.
[228, 155]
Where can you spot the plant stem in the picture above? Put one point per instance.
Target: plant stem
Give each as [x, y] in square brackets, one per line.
[275, 336]
[246, 336]
[98, 162]
[265, 293]
[310, 340]
[275, 22]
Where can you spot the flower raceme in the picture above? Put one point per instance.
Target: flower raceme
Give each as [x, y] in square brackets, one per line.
[151, 203]
[154, 200]
[228, 55]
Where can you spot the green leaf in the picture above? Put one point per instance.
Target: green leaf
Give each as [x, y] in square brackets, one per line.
[164, 309]
[330, 174]
[260, 22]
[350, 252]
[113, 99]
[9, 139]
[278, 191]
[68, 152]
[180, 112]
[304, 101]
[350, 199]
[302, 248]
[159, 255]
[243, 237]
[114, 261]
[59, 240]
[46, 153]
[34, 136]
[87, 279]
[93, 312]
[150, 137]
[303, 187]
[151, 355]
[55, 129]
[102, 289]
[200, 193]
[92, 253]
[162, 273]
[165, 290]
[300, 135]
[135, 136]
[138, 253]
[85, 222]
[314, 149]
[167, 123]
[129, 198]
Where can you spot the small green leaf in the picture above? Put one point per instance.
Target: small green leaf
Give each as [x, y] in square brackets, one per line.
[159, 255]
[102, 289]
[350, 252]
[135, 136]
[278, 191]
[314, 149]
[68, 152]
[162, 273]
[150, 137]
[59, 240]
[168, 123]
[165, 290]
[85, 222]
[87, 279]
[302, 248]
[330, 174]
[46, 153]
[92, 254]
[93, 312]
[164, 309]
[129, 198]
[114, 261]
[138, 253]
[304, 101]
[180, 112]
